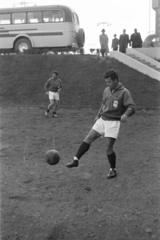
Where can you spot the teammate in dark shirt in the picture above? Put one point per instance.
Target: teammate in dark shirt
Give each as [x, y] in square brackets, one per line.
[52, 87]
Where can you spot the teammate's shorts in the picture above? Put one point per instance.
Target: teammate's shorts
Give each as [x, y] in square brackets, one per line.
[107, 128]
[53, 95]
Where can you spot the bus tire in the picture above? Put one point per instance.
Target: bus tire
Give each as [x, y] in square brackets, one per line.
[22, 44]
[80, 37]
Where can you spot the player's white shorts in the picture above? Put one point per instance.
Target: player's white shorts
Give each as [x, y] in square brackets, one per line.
[53, 95]
[107, 128]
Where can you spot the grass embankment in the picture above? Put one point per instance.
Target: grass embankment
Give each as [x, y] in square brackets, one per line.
[22, 79]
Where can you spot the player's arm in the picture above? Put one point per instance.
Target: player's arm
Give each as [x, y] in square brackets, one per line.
[46, 86]
[129, 104]
[60, 85]
[101, 107]
[99, 113]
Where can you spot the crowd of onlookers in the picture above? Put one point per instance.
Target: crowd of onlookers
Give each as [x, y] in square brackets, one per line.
[120, 44]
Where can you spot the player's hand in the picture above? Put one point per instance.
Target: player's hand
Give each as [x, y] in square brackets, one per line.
[124, 118]
[47, 93]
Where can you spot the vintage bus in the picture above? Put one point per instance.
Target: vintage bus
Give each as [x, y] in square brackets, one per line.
[52, 26]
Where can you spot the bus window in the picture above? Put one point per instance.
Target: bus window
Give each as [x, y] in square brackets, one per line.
[53, 16]
[48, 16]
[75, 18]
[5, 19]
[58, 16]
[34, 17]
[18, 18]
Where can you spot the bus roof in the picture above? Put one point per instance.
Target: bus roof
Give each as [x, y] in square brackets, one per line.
[32, 8]
[66, 9]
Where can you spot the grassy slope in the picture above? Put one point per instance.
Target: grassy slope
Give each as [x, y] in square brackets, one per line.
[22, 79]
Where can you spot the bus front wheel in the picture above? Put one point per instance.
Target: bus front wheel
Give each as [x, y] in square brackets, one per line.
[22, 44]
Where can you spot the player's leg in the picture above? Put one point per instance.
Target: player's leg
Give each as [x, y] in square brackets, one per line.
[56, 104]
[111, 134]
[53, 107]
[111, 156]
[84, 147]
[51, 103]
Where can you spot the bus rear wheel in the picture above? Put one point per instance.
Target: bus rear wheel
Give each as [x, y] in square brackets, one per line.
[22, 44]
[80, 37]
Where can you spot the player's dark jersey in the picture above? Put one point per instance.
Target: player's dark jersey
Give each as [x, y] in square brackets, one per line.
[117, 103]
[53, 85]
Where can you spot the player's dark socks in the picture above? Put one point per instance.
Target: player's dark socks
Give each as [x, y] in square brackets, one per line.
[112, 160]
[47, 110]
[83, 148]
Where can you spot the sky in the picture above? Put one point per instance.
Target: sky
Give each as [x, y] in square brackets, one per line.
[116, 14]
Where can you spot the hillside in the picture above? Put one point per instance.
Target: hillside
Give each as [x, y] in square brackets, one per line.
[22, 79]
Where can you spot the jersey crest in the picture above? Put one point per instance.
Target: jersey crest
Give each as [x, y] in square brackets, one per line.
[115, 103]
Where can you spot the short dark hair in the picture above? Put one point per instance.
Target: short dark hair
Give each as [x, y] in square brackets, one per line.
[112, 74]
[55, 72]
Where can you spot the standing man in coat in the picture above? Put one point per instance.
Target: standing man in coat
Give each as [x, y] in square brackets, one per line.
[103, 39]
[136, 40]
[123, 42]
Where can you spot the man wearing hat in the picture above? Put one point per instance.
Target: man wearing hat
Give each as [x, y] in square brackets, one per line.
[103, 39]
[115, 43]
[52, 87]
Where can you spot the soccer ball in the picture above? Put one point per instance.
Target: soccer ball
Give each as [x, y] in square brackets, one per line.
[52, 157]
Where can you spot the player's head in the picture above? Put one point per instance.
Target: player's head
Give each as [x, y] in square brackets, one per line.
[55, 73]
[111, 78]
